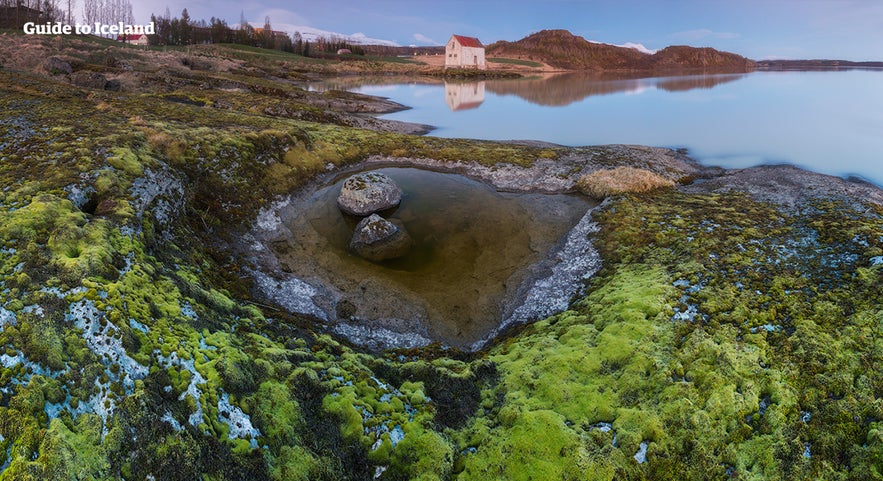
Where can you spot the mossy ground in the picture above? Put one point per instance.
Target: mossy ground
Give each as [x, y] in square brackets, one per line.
[727, 337]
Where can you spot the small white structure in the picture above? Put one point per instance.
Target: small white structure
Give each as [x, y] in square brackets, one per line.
[464, 52]
[464, 96]
[133, 39]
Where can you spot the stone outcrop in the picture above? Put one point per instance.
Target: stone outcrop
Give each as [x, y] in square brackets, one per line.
[369, 192]
[56, 65]
[91, 80]
[378, 239]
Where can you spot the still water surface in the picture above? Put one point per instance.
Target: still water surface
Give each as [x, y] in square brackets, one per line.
[473, 246]
[826, 121]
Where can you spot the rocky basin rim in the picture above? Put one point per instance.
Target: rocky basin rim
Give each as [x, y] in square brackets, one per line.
[551, 283]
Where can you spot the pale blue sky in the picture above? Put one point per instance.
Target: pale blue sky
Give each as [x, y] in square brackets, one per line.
[758, 29]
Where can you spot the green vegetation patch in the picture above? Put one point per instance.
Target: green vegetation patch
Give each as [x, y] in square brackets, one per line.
[514, 61]
[722, 338]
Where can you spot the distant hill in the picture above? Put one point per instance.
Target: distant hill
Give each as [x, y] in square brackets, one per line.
[813, 64]
[562, 49]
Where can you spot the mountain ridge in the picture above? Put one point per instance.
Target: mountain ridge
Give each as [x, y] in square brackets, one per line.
[562, 49]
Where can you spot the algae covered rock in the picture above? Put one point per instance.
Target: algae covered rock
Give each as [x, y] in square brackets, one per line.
[367, 193]
[378, 239]
[91, 80]
[56, 65]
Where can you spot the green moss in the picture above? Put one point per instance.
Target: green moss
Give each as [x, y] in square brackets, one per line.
[723, 332]
[74, 455]
[126, 160]
[540, 437]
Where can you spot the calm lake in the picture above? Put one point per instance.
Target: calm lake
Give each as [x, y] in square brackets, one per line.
[826, 121]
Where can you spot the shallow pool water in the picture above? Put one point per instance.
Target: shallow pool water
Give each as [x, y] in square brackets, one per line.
[472, 246]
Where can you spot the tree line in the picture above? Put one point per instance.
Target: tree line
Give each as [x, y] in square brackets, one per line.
[183, 30]
[108, 11]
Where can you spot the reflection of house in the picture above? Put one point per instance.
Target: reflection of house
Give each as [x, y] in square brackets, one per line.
[464, 52]
[464, 96]
[133, 39]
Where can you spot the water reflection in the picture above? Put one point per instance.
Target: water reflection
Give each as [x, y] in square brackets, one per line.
[826, 121]
[565, 89]
[552, 90]
[464, 96]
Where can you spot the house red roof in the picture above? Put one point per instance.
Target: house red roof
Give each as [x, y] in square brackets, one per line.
[130, 37]
[469, 41]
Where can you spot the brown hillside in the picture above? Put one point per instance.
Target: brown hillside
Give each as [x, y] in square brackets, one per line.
[682, 56]
[564, 50]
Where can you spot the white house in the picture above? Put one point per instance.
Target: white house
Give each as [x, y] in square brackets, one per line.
[133, 39]
[464, 52]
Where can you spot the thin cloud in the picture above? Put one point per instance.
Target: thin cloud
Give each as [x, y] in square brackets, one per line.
[423, 38]
[702, 33]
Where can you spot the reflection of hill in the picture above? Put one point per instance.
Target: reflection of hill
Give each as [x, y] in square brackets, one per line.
[680, 84]
[568, 88]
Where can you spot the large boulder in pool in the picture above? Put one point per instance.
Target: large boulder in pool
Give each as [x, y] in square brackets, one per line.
[367, 193]
[378, 239]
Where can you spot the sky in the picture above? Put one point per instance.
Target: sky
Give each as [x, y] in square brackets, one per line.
[757, 29]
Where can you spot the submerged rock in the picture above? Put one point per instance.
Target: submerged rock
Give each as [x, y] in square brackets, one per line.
[378, 239]
[367, 193]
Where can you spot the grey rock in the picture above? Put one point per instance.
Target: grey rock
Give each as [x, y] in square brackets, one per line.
[378, 239]
[91, 80]
[113, 85]
[55, 65]
[367, 193]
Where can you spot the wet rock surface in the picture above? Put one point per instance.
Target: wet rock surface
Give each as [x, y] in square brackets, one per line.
[787, 186]
[367, 193]
[378, 239]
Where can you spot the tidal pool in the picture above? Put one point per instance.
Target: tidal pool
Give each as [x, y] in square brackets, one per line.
[473, 247]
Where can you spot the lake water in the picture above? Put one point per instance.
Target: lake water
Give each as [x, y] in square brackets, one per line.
[826, 121]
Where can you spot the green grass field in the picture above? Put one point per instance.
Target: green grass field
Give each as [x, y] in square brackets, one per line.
[514, 61]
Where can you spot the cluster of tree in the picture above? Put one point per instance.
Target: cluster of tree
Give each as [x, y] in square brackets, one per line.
[185, 31]
[108, 11]
[333, 45]
[16, 13]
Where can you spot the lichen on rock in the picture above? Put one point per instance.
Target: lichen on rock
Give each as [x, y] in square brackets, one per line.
[378, 239]
[368, 192]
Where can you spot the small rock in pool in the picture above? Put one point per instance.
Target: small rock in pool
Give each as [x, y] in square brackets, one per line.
[367, 193]
[378, 239]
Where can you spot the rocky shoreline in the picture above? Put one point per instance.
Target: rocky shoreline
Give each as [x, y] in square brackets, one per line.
[555, 281]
